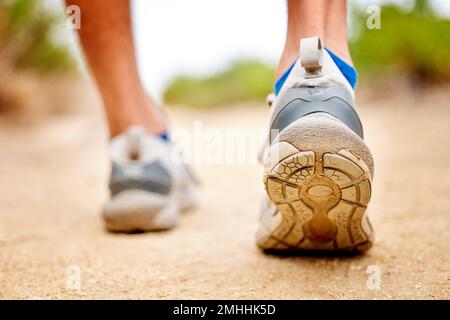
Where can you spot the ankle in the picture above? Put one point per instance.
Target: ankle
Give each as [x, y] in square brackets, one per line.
[341, 50]
[288, 57]
[291, 53]
[141, 111]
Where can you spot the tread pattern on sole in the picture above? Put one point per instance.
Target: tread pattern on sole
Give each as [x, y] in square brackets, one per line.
[318, 203]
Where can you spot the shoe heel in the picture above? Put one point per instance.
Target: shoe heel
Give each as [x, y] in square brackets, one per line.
[318, 202]
[140, 211]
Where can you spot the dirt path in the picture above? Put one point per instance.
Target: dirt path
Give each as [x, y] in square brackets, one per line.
[53, 178]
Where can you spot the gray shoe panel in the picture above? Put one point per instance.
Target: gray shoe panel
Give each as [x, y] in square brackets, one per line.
[299, 102]
[152, 177]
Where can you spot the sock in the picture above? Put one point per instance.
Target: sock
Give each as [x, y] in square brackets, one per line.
[347, 70]
[164, 136]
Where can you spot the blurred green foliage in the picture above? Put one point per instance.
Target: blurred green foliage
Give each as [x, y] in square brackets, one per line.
[415, 44]
[243, 81]
[27, 37]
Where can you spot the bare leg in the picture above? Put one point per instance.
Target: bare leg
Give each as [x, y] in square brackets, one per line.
[336, 29]
[324, 18]
[106, 37]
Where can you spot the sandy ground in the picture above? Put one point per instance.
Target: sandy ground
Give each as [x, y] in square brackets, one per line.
[52, 187]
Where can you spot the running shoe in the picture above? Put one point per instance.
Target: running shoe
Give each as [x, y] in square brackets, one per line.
[149, 183]
[318, 170]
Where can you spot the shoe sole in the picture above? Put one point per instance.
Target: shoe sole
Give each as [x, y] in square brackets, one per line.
[140, 211]
[318, 199]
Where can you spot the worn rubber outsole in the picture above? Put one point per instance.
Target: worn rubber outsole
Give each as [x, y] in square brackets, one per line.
[139, 211]
[317, 200]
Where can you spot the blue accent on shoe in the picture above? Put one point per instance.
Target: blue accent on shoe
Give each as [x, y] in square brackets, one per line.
[279, 83]
[164, 136]
[347, 70]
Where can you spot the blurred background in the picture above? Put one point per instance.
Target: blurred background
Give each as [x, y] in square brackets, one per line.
[209, 61]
